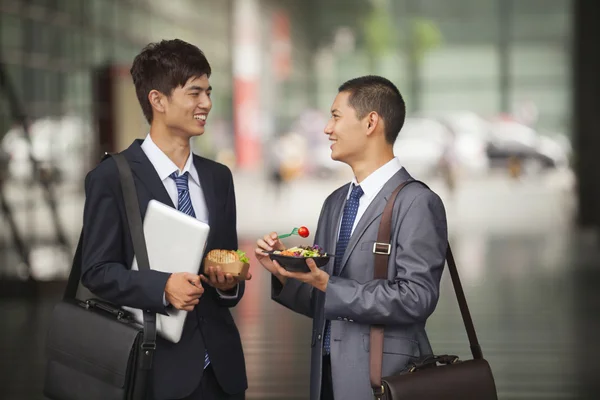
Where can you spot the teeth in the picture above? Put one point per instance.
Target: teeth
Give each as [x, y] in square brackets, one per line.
[200, 117]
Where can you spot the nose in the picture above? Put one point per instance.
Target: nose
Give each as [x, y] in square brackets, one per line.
[329, 128]
[205, 103]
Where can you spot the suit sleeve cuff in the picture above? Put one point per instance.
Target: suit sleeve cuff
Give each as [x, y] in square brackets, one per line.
[230, 294]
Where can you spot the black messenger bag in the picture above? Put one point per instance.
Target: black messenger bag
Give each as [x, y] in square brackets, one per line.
[95, 350]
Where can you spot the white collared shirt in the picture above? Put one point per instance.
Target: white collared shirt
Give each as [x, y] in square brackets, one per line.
[164, 168]
[372, 185]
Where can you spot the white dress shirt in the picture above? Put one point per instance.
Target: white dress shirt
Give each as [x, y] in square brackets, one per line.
[372, 185]
[164, 167]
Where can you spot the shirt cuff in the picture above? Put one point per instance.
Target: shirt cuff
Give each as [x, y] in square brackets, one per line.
[165, 303]
[227, 295]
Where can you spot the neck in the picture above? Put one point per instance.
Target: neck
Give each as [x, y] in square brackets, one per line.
[176, 147]
[365, 167]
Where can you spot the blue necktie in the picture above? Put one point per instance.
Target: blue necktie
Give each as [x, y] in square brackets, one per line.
[350, 210]
[184, 204]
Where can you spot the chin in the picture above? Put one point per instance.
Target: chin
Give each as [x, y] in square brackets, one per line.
[197, 132]
[335, 156]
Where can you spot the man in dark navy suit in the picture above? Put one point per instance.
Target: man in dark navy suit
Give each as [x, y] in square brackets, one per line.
[172, 85]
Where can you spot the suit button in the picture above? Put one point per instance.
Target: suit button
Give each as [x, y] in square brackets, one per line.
[319, 337]
[339, 318]
[350, 320]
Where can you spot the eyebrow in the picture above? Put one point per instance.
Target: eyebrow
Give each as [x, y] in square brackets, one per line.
[199, 88]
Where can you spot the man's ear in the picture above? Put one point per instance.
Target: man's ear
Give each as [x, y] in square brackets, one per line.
[157, 100]
[373, 121]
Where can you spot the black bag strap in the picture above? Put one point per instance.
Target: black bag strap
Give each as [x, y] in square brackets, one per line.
[134, 219]
[382, 255]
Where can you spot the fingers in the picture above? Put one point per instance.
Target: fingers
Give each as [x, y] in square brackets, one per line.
[269, 242]
[220, 275]
[192, 302]
[187, 305]
[216, 275]
[312, 265]
[195, 280]
[273, 241]
[263, 245]
[190, 277]
[195, 290]
[218, 279]
[280, 270]
[211, 275]
[205, 279]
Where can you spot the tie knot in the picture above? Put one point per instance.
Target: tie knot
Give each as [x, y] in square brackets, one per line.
[180, 180]
[356, 193]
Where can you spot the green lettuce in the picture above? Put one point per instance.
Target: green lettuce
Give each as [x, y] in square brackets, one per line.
[243, 257]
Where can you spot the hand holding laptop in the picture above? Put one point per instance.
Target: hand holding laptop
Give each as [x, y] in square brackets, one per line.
[183, 290]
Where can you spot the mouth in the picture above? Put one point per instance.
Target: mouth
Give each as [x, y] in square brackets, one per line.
[333, 141]
[201, 118]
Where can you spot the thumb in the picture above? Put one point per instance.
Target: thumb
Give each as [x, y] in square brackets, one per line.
[195, 279]
[311, 264]
[278, 245]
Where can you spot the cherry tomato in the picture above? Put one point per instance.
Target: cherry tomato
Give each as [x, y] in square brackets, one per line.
[303, 231]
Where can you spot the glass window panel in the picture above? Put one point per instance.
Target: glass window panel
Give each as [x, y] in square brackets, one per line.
[539, 61]
[11, 31]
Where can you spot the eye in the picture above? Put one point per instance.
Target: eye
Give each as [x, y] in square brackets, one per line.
[195, 94]
[208, 94]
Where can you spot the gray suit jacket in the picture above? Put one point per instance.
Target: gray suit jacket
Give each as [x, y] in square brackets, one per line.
[354, 300]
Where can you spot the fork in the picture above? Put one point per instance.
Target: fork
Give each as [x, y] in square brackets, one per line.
[293, 232]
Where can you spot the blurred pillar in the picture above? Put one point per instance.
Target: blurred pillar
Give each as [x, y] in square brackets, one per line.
[116, 110]
[504, 28]
[414, 71]
[586, 79]
[246, 77]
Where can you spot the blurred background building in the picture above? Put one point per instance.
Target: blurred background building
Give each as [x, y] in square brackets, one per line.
[502, 99]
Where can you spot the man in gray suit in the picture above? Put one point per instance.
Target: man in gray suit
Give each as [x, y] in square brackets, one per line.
[342, 298]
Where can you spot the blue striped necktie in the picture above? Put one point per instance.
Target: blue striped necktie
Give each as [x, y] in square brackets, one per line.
[184, 204]
[350, 211]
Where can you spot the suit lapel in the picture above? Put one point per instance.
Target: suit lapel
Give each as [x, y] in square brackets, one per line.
[207, 184]
[145, 172]
[372, 212]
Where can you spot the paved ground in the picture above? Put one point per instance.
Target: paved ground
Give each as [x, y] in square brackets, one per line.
[529, 276]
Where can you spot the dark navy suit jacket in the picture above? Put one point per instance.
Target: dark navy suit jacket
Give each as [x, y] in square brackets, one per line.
[108, 255]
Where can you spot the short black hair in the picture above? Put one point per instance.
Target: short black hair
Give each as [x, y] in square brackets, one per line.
[164, 66]
[375, 93]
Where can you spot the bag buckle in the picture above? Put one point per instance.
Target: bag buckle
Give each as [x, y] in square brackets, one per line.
[148, 346]
[382, 248]
[379, 392]
[147, 355]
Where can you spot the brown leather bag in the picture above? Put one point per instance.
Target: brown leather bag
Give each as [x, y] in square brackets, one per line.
[431, 377]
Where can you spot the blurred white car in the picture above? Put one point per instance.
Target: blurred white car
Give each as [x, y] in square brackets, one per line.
[420, 146]
[472, 134]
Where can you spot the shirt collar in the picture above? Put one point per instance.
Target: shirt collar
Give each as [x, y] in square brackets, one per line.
[373, 183]
[163, 164]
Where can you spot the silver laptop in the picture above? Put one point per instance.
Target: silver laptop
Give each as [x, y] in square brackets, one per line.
[175, 243]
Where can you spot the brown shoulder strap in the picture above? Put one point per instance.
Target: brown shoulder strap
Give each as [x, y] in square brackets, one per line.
[382, 250]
